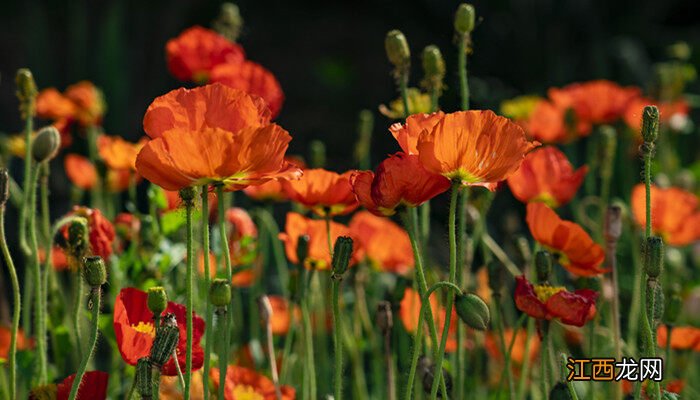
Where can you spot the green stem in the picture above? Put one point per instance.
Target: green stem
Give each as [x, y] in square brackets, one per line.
[76, 315]
[453, 279]
[189, 205]
[403, 89]
[611, 254]
[288, 341]
[26, 184]
[525, 372]
[222, 322]
[337, 343]
[502, 342]
[462, 280]
[277, 251]
[309, 347]
[12, 354]
[48, 239]
[462, 66]
[95, 303]
[38, 302]
[229, 274]
[544, 359]
[207, 282]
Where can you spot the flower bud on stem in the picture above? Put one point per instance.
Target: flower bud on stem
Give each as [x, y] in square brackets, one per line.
[399, 54]
[342, 252]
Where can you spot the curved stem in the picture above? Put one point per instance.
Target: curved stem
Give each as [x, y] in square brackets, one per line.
[96, 303]
[227, 261]
[189, 205]
[38, 302]
[207, 282]
[337, 343]
[17, 304]
[76, 315]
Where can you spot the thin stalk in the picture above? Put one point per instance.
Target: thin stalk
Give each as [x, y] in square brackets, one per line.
[26, 184]
[270, 345]
[611, 253]
[207, 282]
[277, 251]
[48, 239]
[525, 372]
[221, 323]
[570, 383]
[669, 328]
[502, 343]
[181, 378]
[461, 281]
[309, 347]
[287, 351]
[189, 205]
[337, 343]
[462, 67]
[403, 89]
[17, 304]
[38, 302]
[76, 314]
[227, 261]
[328, 234]
[544, 359]
[96, 304]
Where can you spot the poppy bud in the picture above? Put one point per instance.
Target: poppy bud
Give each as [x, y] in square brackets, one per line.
[342, 251]
[464, 18]
[613, 223]
[543, 264]
[26, 91]
[144, 378]
[674, 303]
[385, 318]
[78, 240]
[4, 186]
[433, 63]
[220, 292]
[397, 49]
[157, 300]
[560, 392]
[164, 345]
[303, 248]
[317, 150]
[659, 303]
[496, 273]
[473, 311]
[94, 271]
[265, 308]
[653, 256]
[650, 124]
[187, 195]
[229, 23]
[46, 144]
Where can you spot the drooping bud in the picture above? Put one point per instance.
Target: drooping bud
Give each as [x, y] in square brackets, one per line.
[157, 300]
[26, 92]
[46, 144]
[220, 292]
[164, 345]
[4, 187]
[674, 304]
[397, 49]
[342, 252]
[317, 150]
[653, 256]
[144, 378]
[78, 242]
[229, 22]
[473, 311]
[303, 248]
[613, 223]
[94, 271]
[465, 18]
[187, 195]
[650, 124]
[433, 64]
[543, 265]
[385, 317]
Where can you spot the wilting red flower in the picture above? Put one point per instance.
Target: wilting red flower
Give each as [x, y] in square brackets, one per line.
[400, 180]
[100, 230]
[82, 102]
[80, 171]
[196, 51]
[251, 78]
[550, 302]
[407, 134]
[477, 148]
[577, 252]
[409, 313]
[547, 176]
[134, 330]
[517, 354]
[682, 337]
[318, 256]
[119, 154]
[23, 342]
[667, 111]
[212, 135]
[675, 215]
[92, 387]
[244, 383]
[283, 313]
[325, 192]
[594, 102]
[385, 244]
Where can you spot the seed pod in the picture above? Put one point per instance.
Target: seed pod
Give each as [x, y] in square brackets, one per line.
[187, 195]
[164, 344]
[46, 144]
[426, 373]
[94, 271]
[653, 256]
[464, 18]
[144, 378]
[303, 248]
[157, 300]
[473, 311]
[397, 49]
[433, 63]
[650, 124]
[4, 186]
[543, 264]
[342, 252]
[220, 293]
[385, 318]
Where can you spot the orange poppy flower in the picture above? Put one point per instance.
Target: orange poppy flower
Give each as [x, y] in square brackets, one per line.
[117, 153]
[170, 388]
[212, 135]
[318, 256]
[23, 342]
[517, 355]
[196, 51]
[93, 386]
[82, 102]
[682, 337]
[385, 244]
[283, 313]
[477, 148]
[59, 259]
[675, 215]
[409, 313]
[268, 191]
[577, 252]
[80, 171]
[52, 104]
[325, 192]
[547, 176]
[407, 134]
[244, 383]
[546, 123]
[400, 180]
[550, 302]
[100, 230]
[251, 78]
[594, 102]
[667, 112]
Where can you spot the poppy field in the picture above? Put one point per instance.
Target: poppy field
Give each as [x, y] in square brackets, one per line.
[548, 248]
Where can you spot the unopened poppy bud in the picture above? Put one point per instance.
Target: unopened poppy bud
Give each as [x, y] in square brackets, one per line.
[385, 318]
[659, 303]
[303, 248]
[650, 124]
[265, 308]
[317, 150]
[473, 311]
[653, 256]
[543, 265]
[342, 251]
[187, 195]
[157, 300]
[613, 223]
[464, 18]
[144, 378]
[229, 23]
[220, 292]
[78, 240]
[560, 392]
[496, 274]
[397, 49]
[674, 304]
[164, 345]
[4, 186]
[433, 63]
[26, 92]
[46, 144]
[94, 271]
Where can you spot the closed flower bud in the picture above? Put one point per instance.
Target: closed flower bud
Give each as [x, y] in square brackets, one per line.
[302, 248]
[433, 63]
[229, 23]
[94, 271]
[144, 378]
[464, 18]
[78, 240]
[653, 256]
[674, 304]
[46, 144]
[187, 195]
[157, 300]
[473, 311]
[342, 251]
[220, 293]
[543, 264]
[397, 49]
[26, 92]
[385, 318]
[4, 186]
[613, 223]
[164, 345]
[560, 392]
[650, 124]
[659, 303]
[317, 152]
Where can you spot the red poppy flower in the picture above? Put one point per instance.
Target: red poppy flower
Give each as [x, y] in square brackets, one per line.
[547, 176]
[550, 302]
[682, 337]
[92, 387]
[407, 134]
[82, 102]
[244, 383]
[577, 252]
[134, 330]
[385, 244]
[324, 192]
[59, 260]
[400, 180]
[100, 230]
[251, 78]
[675, 213]
[196, 51]
[517, 353]
[667, 112]
[119, 154]
[409, 313]
[80, 171]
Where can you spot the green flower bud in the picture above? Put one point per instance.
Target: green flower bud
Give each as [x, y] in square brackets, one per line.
[164, 345]
[543, 264]
[464, 18]
[613, 223]
[46, 144]
[26, 92]
[4, 186]
[433, 63]
[385, 317]
[303, 248]
[397, 49]
[560, 392]
[342, 252]
[187, 195]
[220, 293]
[94, 271]
[144, 378]
[229, 23]
[650, 124]
[674, 304]
[653, 256]
[317, 150]
[473, 311]
[157, 300]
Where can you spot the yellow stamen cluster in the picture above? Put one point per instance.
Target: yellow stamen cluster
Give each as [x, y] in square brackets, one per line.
[246, 392]
[145, 327]
[544, 292]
